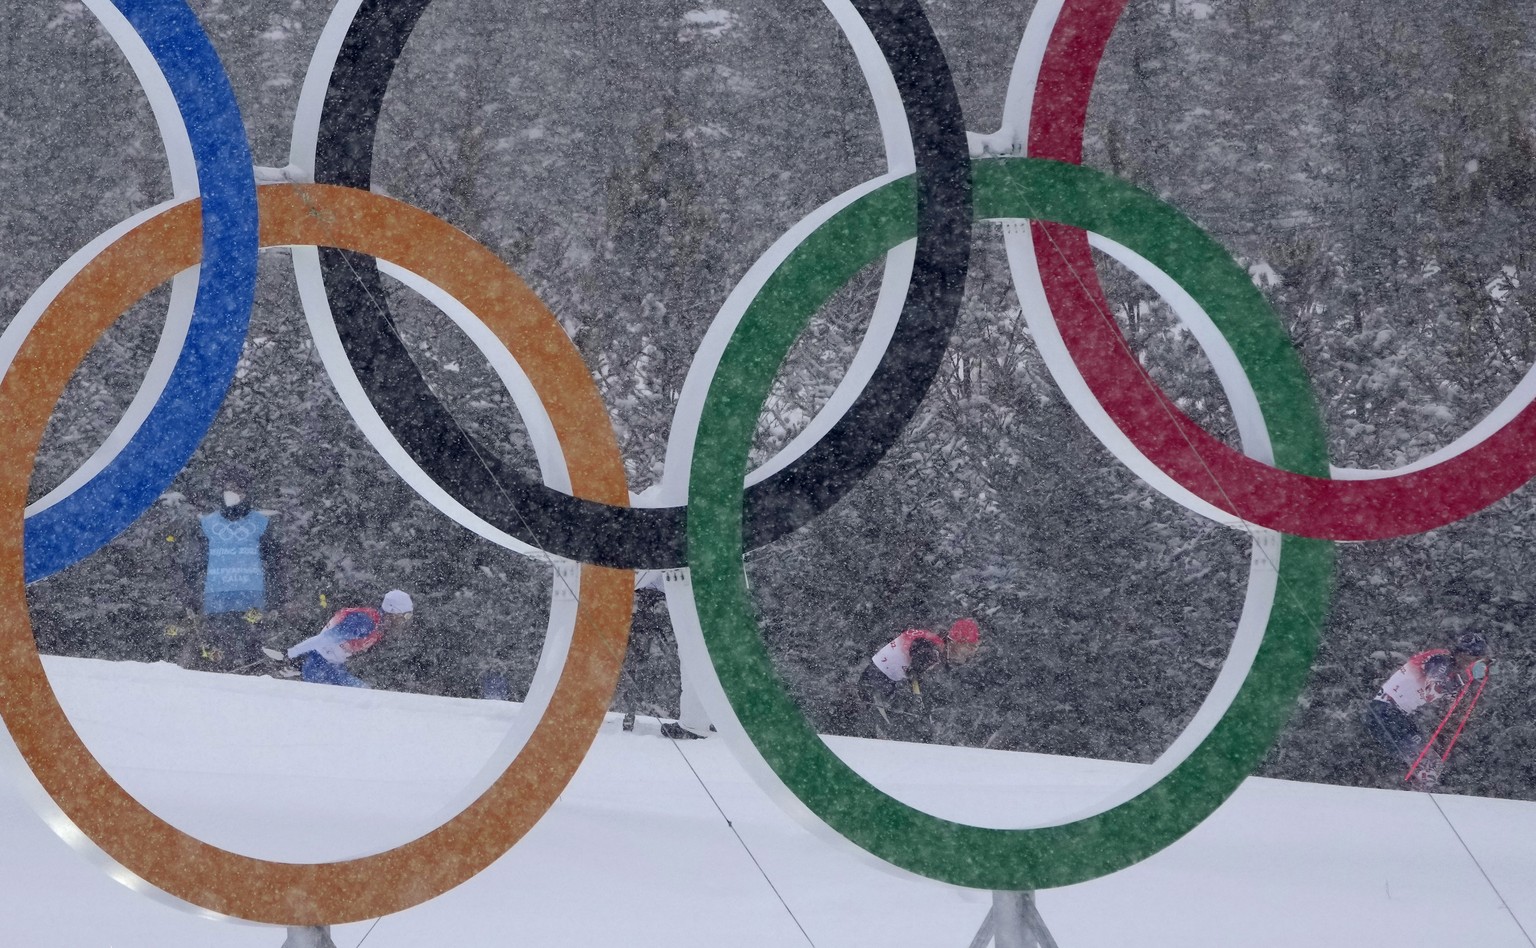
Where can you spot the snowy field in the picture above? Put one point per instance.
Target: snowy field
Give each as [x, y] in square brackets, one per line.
[637, 852]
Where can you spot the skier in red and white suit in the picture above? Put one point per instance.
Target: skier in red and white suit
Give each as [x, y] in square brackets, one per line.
[905, 659]
[894, 661]
[1423, 680]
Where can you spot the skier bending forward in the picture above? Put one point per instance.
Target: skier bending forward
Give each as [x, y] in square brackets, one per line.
[894, 675]
[351, 632]
[1422, 681]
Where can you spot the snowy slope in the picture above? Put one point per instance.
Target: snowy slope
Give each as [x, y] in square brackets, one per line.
[637, 852]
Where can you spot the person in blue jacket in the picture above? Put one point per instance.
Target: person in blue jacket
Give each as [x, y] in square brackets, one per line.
[351, 632]
[236, 583]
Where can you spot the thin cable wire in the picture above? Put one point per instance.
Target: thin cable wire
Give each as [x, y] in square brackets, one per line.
[677, 745]
[368, 932]
[1513, 917]
[779, 895]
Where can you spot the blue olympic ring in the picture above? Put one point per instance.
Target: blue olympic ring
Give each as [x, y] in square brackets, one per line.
[86, 520]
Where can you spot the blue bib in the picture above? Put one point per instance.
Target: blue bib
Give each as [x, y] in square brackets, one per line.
[236, 581]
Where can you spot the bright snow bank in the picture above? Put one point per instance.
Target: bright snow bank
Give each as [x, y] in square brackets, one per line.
[637, 853]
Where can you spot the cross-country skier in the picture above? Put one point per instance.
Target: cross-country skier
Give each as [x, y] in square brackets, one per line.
[1422, 682]
[894, 675]
[351, 632]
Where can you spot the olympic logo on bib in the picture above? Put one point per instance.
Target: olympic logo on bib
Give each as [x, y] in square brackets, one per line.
[710, 508]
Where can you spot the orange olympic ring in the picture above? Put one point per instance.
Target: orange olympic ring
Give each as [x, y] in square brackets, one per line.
[370, 886]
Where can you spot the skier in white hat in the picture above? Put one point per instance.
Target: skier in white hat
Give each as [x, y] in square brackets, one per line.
[350, 632]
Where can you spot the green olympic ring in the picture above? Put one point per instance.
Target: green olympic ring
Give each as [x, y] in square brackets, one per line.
[980, 857]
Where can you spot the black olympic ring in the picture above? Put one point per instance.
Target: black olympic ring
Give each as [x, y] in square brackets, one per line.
[633, 537]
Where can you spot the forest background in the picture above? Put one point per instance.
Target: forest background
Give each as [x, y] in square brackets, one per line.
[1372, 164]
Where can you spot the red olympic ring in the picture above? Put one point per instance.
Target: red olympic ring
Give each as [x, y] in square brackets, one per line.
[1391, 504]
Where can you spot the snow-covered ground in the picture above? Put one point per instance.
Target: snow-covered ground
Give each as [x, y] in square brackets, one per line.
[637, 852]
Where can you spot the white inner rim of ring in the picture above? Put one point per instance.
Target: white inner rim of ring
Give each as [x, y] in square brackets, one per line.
[183, 169]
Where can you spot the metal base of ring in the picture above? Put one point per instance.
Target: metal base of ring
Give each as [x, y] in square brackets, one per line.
[1013, 922]
[309, 936]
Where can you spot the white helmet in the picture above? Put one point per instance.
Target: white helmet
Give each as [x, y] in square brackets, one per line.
[396, 601]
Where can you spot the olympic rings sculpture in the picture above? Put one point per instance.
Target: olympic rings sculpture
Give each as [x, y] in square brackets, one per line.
[919, 215]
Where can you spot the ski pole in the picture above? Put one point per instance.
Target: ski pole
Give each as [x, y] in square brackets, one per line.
[1433, 737]
[1470, 708]
[272, 655]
